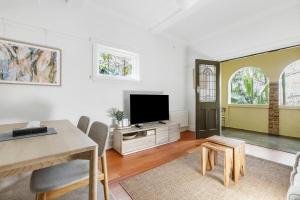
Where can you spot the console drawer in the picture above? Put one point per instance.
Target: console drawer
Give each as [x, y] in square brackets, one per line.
[161, 139]
[162, 132]
[161, 129]
[138, 144]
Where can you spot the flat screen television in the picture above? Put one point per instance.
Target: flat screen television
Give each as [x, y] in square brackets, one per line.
[148, 108]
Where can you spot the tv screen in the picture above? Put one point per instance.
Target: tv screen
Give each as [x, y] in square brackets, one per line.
[148, 108]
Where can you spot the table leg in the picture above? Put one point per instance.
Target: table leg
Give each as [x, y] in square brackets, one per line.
[93, 175]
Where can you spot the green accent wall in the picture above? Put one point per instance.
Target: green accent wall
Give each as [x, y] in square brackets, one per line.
[255, 117]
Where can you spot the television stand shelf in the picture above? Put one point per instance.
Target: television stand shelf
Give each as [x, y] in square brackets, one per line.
[148, 136]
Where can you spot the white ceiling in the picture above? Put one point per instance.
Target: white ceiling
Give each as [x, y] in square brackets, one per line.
[218, 29]
[144, 12]
[221, 29]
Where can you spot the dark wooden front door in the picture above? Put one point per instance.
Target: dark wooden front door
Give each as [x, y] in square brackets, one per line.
[207, 98]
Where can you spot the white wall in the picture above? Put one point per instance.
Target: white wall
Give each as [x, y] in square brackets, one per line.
[161, 61]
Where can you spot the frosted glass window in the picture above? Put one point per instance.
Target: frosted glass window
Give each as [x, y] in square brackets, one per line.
[207, 83]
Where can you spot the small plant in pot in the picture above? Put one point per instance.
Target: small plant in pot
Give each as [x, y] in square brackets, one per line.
[117, 115]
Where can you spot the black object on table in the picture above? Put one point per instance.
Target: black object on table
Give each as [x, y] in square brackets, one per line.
[29, 131]
[27, 134]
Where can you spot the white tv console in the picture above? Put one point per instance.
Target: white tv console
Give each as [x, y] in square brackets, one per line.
[149, 136]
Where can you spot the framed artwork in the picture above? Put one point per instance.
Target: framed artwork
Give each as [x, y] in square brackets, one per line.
[24, 63]
[112, 63]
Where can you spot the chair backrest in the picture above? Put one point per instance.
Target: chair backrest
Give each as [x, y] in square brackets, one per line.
[83, 123]
[99, 133]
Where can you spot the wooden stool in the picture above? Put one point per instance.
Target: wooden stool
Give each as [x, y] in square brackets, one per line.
[209, 151]
[239, 159]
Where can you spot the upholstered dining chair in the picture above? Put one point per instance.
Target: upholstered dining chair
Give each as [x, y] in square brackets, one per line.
[83, 123]
[52, 182]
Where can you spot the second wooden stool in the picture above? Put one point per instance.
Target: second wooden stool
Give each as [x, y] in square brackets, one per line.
[208, 159]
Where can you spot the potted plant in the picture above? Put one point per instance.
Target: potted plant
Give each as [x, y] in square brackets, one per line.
[117, 115]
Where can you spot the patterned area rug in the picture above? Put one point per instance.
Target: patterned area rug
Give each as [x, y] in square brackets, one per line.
[181, 180]
[20, 191]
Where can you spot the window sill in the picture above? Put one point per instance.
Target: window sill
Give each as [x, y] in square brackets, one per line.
[289, 107]
[248, 106]
[114, 78]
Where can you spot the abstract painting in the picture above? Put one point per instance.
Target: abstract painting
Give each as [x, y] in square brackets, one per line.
[115, 63]
[24, 63]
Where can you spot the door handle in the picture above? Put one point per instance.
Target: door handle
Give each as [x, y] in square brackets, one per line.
[198, 89]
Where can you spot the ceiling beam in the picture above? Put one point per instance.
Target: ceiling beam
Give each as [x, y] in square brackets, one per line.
[249, 20]
[185, 9]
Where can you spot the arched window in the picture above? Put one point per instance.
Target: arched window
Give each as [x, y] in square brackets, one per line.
[249, 85]
[289, 85]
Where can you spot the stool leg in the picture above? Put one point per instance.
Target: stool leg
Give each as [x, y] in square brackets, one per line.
[204, 160]
[227, 167]
[216, 157]
[211, 156]
[243, 160]
[237, 164]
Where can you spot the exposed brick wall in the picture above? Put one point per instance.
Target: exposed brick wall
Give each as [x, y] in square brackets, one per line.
[274, 108]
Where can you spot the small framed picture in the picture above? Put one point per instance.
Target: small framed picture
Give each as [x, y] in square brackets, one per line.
[112, 63]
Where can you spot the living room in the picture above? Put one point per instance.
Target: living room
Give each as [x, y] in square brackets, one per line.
[137, 99]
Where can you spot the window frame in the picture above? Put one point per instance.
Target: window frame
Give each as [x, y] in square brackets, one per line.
[280, 100]
[135, 65]
[246, 105]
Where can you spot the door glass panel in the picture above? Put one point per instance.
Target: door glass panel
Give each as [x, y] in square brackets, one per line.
[207, 83]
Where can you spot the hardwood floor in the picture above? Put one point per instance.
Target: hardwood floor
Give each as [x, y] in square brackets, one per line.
[121, 167]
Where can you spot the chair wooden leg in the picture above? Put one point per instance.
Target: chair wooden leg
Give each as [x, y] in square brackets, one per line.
[93, 177]
[105, 181]
[41, 196]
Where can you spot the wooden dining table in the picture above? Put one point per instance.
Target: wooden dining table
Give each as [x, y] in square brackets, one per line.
[28, 154]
